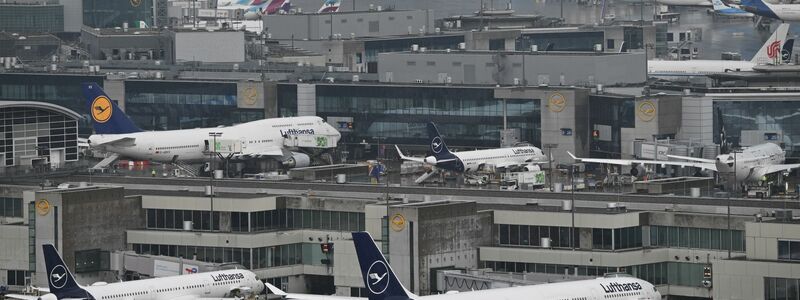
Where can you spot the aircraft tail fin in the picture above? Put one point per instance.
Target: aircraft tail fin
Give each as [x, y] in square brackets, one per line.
[718, 5]
[379, 278]
[60, 280]
[770, 52]
[437, 146]
[788, 49]
[107, 117]
[330, 6]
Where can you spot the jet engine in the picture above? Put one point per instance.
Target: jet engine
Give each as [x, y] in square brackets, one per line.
[297, 160]
[531, 168]
[48, 297]
[430, 160]
[638, 170]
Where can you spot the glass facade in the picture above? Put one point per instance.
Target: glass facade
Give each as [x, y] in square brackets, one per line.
[60, 90]
[560, 41]
[789, 250]
[11, 207]
[287, 100]
[206, 254]
[502, 266]
[779, 117]
[286, 255]
[525, 235]
[617, 239]
[174, 218]
[781, 288]
[397, 115]
[34, 133]
[156, 105]
[31, 18]
[17, 277]
[614, 113]
[92, 261]
[112, 13]
[696, 238]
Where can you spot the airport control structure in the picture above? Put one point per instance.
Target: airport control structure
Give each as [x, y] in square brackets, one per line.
[389, 150]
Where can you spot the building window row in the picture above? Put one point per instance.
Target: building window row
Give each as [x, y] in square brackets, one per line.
[505, 266]
[11, 207]
[531, 235]
[616, 239]
[289, 218]
[789, 250]
[174, 218]
[206, 254]
[696, 238]
[781, 288]
[287, 255]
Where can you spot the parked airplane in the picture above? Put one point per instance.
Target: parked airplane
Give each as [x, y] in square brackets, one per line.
[200, 286]
[383, 284]
[283, 139]
[785, 12]
[730, 11]
[255, 9]
[685, 2]
[750, 164]
[527, 157]
[774, 51]
[330, 6]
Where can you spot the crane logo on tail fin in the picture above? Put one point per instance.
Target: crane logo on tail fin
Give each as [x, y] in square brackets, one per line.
[378, 277]
[436, 144]
[58, 276]
[774, 49]
[101, 109]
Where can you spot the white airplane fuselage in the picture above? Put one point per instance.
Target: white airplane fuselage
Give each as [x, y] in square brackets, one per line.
[750, 161]
[696, 67]
[685, 2]
[191, 145]
[624, 288]
[217, 284]
[516, 156]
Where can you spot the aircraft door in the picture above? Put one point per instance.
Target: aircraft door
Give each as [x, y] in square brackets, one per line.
[151, 151]
[243, 141]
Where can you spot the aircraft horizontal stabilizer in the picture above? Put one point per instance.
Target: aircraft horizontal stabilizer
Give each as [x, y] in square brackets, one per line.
[275, 290]
[122, 141]
[403, 157]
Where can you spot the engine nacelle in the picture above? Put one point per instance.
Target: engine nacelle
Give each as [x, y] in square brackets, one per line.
[531, 168]
[48, 297]
[638, 170]
[430, 160]
[297, 160]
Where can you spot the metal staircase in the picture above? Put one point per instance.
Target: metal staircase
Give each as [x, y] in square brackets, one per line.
[103, 164]
[186, 168]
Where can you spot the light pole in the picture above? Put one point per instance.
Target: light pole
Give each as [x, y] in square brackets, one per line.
[572, 205]
[549, 148]
[211, 168]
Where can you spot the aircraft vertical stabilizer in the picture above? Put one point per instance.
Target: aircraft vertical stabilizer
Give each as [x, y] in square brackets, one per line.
[379, 278]
[770, 52]
[107, 117]
[59, 278]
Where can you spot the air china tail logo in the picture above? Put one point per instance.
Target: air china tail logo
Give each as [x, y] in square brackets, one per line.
[297, 132]
[774, 49]
[615, 287]
[58, 277]
[224, 277]
[377, 277]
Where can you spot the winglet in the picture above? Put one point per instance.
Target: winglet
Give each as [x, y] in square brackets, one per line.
[573, 156]
[275, 290]
[400, 153]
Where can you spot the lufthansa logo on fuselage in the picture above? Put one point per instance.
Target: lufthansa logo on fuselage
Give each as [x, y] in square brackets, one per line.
[224, 277]
[436, 145]
[101, 109]
[377, 277]
[58, 277]
[524, 151]
[297, 131]
[615, 287]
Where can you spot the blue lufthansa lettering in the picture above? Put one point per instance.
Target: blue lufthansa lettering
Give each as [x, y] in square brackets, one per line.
[615, 287]
[224, 277]
[294, 131]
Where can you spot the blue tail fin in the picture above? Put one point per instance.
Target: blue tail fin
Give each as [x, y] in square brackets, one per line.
[438, 147]
[380, 280]
[106, 116]
[59, 278]
[788, 49]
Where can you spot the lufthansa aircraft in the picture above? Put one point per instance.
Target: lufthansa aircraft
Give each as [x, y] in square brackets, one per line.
[219, 285]
[527, 157]
[279, 138]
[383, 284]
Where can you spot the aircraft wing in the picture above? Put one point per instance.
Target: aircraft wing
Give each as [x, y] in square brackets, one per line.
[278, 292]
[21, 297]
[628, 162]
[689, 158]
[117, 141]
[265, 151]
[769, 169]
[411, 158]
